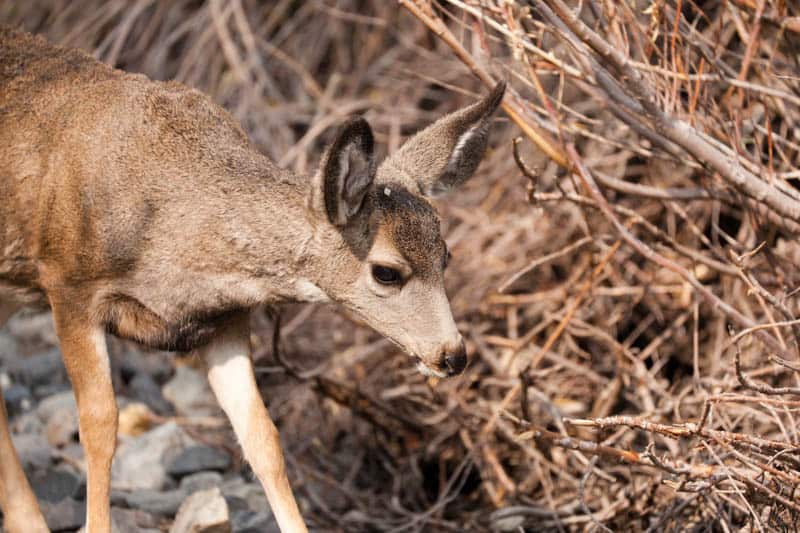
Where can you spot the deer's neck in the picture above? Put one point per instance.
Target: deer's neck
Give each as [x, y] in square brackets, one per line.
[263, 242]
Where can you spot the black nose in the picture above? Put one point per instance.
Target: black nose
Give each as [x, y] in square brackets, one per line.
[456, 361]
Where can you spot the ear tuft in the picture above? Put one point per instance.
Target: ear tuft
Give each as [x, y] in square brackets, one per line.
[491, 101]
[348, 170]
[445, 154]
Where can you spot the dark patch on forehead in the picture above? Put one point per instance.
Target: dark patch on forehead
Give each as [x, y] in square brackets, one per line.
[413, 225]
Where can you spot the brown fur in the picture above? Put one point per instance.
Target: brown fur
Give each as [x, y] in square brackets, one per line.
[140, 208]
[414, 228]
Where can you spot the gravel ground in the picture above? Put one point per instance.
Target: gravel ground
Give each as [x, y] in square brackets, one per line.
[170, 473]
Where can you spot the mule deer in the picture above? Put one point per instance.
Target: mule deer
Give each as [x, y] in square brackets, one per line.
[139, 208]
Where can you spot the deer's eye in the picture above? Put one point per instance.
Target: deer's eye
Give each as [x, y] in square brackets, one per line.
[386, 275]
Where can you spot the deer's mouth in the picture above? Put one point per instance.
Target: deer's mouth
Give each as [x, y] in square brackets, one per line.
[428, 371]
[424, 368]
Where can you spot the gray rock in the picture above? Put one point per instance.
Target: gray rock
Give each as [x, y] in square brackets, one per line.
[253, 522]
[8, 348]
[200, 481]
[59, 414]
[252, 493]
[68, 514]
[198, 459]
[190, 394]
[44, 391]
[33, 451]
[132, 521]
[146, 390]
[236, 504]
[35, 328]
[158, 365]
[74, 452]
[56, 405]
[58, 484]
[203, 512]
[40, 369]
[139, 461]
[18, 399]
[28, 423]
[162, 503]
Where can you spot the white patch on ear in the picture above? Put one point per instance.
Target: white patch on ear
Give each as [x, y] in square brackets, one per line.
[477, 129]
[387, 191]
[457, 160]
[307, 291]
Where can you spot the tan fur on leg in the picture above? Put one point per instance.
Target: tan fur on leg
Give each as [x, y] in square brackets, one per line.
[233, 382]
[20, 510]
[84, 349]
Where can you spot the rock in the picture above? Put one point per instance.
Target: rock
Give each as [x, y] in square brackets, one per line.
[74, 453]
[189, 392]
[33, 451]
[252, 493]
[40, 369]
[144, 388]
[134, 419]
[132, 521]
[18, 399]
[139, 461]
[56, 405]
[158, 365]
[59, 413]
[203, 512]
[200, 481]
[28, 423]
[34, 328]
[162, 503]
[236, 504]
[253, 522]
[8, 348]
[68, 514]
[44, 391]
[197, 459]
[58, 484]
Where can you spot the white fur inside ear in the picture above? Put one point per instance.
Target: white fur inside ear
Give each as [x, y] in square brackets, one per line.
[355, 176]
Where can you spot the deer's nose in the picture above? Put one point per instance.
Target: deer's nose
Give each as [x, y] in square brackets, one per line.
[456, 361]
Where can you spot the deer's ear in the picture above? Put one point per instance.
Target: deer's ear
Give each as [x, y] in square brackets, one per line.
[346, 172]
[445, 154]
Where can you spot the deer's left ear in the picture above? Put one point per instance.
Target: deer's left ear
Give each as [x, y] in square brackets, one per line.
[445, 154]
[346, 173]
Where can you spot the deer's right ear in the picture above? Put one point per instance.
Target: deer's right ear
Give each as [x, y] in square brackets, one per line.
[346, 172]
[445, 154]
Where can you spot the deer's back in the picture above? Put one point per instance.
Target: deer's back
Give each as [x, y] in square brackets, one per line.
[95, 161]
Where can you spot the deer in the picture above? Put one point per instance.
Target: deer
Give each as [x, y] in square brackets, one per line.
[139, 209]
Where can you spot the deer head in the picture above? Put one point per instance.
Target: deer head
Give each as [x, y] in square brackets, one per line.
[388, 268]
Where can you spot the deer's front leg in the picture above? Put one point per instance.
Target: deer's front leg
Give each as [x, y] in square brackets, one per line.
[83, 346]
[230, 373]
